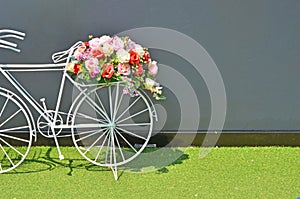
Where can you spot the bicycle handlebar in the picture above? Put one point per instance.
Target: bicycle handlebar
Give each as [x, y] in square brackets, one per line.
[7, 33]
[65, 55]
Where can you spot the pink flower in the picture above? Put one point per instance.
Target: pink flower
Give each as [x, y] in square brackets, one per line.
[125, 90]
[124, 68]
[152, 68]
[97, 53]
[92, 66]
[91, 63]
[131, 44]
[117, 43]
[139, 71]
[95, 43]
[95, 72]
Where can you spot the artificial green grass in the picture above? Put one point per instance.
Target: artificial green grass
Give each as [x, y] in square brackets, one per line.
[246, 172]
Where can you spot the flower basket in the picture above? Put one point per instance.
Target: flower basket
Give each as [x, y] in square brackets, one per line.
[107, 60]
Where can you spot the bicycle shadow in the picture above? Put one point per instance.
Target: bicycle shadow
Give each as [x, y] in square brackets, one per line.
[32, 164]
[40, 161]
[74, 163]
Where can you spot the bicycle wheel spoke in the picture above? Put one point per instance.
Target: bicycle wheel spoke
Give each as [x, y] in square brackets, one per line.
[135, 124]
[111, 148]
[5, 153]
[131, 116]
[85, 132]
[115, 113]
[13, 137]
[87, 136]
[107, 148]
[126, 141]
[128, 107]
[88, 149]
[116, 102]
[82, 115]
[101, 104]
[130, 133]
[114, 149]
[13, 129]
[13, 148]
[97, 156]
[13, 115]
[120, 149]
[5, 103]
[110, 102]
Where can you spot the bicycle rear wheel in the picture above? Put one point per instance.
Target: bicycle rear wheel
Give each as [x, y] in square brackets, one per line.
[110, 128]
[15, 131]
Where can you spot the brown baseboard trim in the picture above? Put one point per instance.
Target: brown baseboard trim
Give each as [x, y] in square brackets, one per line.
[234, 139]
[190, 139]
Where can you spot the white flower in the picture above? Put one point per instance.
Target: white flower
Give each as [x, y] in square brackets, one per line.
[149, 83]
[123, 56]
[70, 67]
[95, 43]
[139, 49]
[108, 49]
[158, 90]
[104, 39]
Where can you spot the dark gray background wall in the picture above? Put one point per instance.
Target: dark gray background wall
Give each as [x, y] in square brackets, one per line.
[255, 44]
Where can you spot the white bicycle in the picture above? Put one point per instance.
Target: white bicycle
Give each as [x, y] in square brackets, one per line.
[108, 127]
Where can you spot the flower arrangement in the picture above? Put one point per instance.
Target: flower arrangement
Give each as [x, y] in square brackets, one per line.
[108, 59]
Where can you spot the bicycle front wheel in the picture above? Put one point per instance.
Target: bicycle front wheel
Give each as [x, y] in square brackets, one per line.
[110, 128]
[15, 131]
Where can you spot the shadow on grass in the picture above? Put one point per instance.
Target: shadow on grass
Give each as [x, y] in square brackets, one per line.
[72, 163]
[40, 161]
[156, 159]
[33, 164]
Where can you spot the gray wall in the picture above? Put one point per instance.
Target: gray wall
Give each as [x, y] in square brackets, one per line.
[255, 44]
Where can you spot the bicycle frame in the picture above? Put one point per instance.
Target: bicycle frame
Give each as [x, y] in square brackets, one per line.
[111, 124]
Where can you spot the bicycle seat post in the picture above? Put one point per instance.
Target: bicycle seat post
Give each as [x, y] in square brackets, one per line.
[42, 100]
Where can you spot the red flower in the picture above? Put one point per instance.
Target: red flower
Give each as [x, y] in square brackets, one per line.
[146, 56]
[139, 71]
[108, 70]
[87, 44]
[77, 68]
[134, 58]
